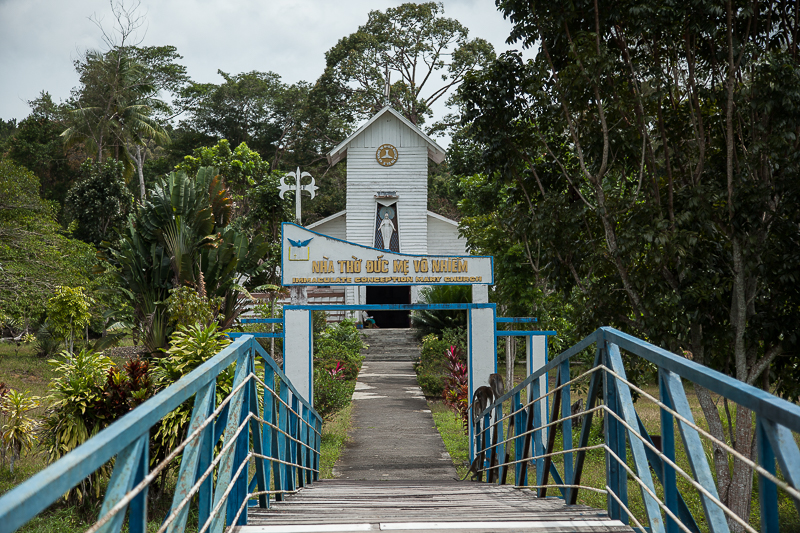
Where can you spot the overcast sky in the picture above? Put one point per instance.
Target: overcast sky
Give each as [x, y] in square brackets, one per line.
[40, 39]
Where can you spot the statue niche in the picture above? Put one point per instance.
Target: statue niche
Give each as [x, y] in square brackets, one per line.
[387, 235]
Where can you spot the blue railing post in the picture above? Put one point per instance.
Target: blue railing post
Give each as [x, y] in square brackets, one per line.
[520, 422]
[538, 437]
[616, 478]
[283, 424]
[127, 469]
[566, 428]
[668, 476]
[767, 490]
[204, 402]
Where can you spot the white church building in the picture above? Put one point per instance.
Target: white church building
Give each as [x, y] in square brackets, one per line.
[387, 195]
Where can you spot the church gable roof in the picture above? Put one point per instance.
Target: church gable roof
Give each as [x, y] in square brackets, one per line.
[435, 152]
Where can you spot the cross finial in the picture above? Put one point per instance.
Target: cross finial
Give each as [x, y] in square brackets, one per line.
[298, 188]
[387, 86]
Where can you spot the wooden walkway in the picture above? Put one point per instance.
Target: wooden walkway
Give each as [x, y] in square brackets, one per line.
[343, 506]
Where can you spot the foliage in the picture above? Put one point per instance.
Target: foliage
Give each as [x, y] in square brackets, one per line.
[69, 310]
[436, 321]
[339, 346]
[250, 108]
[125, 389]
[330, 394]
[415, 43]
[99, 202]
[253, 189]
[181, 236]
[35, 256]
[38, 146]
[190, 346]
[73, 417]
[647, 163]
[186, 307]
[18, 431]
[456, 388]
[432, 366]
[48, 341]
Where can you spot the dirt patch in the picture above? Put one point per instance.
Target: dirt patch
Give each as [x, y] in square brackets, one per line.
[127, 352]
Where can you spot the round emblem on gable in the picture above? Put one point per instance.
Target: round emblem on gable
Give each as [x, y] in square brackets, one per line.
[386, 155]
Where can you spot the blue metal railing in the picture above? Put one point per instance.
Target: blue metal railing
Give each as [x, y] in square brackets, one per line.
[278, 437]
[531, 428]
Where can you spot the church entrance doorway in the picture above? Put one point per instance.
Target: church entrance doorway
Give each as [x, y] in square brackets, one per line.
[390, 294]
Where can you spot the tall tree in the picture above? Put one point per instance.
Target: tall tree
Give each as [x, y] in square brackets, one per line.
[35, 256]
[99, 202]
[653, 154]
[117, 108]
[417, 47]
[37, 145]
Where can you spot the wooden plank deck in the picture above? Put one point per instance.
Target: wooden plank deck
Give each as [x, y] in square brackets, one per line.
[343, 505]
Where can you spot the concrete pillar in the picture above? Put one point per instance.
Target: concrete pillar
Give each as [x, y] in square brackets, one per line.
[298, 345]
[536, 359]
[482, 347]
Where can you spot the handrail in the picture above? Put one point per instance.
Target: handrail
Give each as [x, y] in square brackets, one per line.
[530, 429]
[282, 433]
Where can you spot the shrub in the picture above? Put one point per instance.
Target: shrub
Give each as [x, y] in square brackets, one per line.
[47, 341]
[186, 307]
[73, 417]
[456, 387]
[432, 367]
[337, 360]
[340, 345]
[190, 347]
[69, 312]
[330, 393]
[18, 431]
[437, 321]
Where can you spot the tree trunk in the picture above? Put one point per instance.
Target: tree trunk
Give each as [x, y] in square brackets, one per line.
[139, 165]
[511, 353]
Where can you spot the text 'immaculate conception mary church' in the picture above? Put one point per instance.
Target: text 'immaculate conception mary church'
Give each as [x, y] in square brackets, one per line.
[387, 200]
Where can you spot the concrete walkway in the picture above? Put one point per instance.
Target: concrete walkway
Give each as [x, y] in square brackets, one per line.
[393, 436]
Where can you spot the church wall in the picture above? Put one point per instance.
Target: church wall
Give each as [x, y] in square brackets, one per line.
[336, 227]
[443, 238]
[408, 177]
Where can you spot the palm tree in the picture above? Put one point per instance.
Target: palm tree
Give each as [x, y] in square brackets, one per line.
[114, 108]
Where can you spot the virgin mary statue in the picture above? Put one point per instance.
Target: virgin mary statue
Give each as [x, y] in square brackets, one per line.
[387, 229]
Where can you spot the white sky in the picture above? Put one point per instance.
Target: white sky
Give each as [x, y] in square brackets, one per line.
[40, 39]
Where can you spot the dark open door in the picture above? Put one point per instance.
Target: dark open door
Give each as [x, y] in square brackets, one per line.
[392, 294]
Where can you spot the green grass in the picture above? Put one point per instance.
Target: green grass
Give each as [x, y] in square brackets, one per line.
[334, 436]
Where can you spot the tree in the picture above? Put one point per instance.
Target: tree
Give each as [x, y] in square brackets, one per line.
[182, 236]
[69, 310]
[116, 109]
[243, 109]
[100, 202]
[651, 155]
[114, 105]
[38, 146]
[35, 255]
[415, 45]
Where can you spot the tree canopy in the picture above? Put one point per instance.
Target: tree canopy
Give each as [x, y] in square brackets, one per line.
[423, 53]
[649, 160]
[35, 255]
